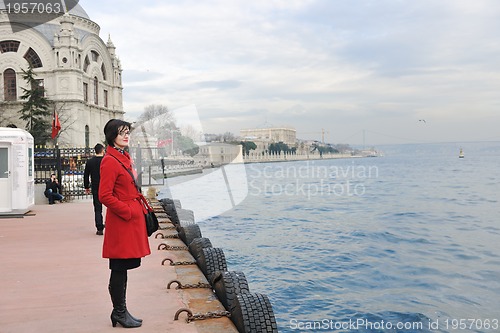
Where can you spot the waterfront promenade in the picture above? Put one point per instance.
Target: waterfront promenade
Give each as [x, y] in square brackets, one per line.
[53, 279]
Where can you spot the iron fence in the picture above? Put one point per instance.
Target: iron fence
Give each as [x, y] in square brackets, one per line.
[69, 165]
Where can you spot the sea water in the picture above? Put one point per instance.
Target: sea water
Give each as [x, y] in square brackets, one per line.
[408, 242]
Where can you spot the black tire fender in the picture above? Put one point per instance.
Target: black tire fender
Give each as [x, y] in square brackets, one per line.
[211, 261]
[167, 204]
[253, 313]
[170, 209]
[189, 232]
[177, 203]
[228, 285]
[197, 245]
[185, 215]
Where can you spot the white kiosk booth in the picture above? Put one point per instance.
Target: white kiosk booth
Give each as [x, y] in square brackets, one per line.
[17, 174]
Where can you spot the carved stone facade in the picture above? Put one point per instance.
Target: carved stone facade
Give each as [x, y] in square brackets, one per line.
[81, 74]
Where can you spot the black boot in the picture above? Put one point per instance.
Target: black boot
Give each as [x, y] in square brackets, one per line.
[117, 285]
[125, 298]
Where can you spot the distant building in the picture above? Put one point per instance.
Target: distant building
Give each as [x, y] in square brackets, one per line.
[219, 153]
[263, 137]
[271, 135]
[81, 73]
[211, 137]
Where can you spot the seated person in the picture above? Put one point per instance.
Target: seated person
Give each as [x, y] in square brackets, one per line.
[53, 190]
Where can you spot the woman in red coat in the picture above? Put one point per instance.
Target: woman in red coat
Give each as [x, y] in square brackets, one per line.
[125, 239]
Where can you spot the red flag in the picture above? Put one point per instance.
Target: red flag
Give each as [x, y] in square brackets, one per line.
[56, 125]
[163, 143]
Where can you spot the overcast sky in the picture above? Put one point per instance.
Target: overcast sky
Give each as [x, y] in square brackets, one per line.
[343, 66]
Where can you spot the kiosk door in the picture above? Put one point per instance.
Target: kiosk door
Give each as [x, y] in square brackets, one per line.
[5, 179]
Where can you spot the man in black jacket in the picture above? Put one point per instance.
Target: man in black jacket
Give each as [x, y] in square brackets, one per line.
[53, 190]
[92, 169]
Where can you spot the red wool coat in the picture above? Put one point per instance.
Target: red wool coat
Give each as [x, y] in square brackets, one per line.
[125, 234]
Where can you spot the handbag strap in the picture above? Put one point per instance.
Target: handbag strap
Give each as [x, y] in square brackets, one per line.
[129, 172]
[144, 201]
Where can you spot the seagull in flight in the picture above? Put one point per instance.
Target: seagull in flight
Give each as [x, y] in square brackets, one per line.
[423, 121]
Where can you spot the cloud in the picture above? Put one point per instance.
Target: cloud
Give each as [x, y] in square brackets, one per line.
[312, 64]
[140, 76]
[220, 85]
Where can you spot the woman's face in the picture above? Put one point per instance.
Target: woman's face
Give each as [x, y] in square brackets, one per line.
[121, 140]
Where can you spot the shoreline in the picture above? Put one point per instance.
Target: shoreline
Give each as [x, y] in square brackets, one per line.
[199, 170]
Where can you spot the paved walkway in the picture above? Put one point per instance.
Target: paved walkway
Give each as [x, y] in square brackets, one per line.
[53, 279]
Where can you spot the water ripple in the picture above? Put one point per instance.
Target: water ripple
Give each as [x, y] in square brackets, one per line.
[419, 247]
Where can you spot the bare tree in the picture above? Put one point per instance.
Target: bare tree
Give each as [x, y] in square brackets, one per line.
[155, 111]
[66, 121]
[156, 120]
[191, 132]
[228, 137]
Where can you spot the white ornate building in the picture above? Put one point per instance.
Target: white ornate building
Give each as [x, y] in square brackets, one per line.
[271, 135]
[218, 153]
[81, 73]
[263, 137]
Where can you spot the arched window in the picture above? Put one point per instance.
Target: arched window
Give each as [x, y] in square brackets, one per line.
[103, 70]
[33, 59]
[10, 85]
[87, 136]
[86, 64]
[96, 91]
[105, 98]
[95, 55]
[85, 92]
[9, 46]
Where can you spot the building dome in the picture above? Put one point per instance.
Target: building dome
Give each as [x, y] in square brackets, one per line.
[79, 72]
[76, 11]
[49, 24]
[79, 11]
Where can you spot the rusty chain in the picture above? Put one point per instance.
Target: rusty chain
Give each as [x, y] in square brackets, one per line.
[171, 236]
[166, 236]
[199, 285]
[168, 227]
[164, 246]
[183, 263]
[201, 316]
[209, 315]
[178, 263]
[189, 286]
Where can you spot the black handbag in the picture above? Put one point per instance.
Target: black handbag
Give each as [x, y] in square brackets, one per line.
[151, 221]
[150, 217]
